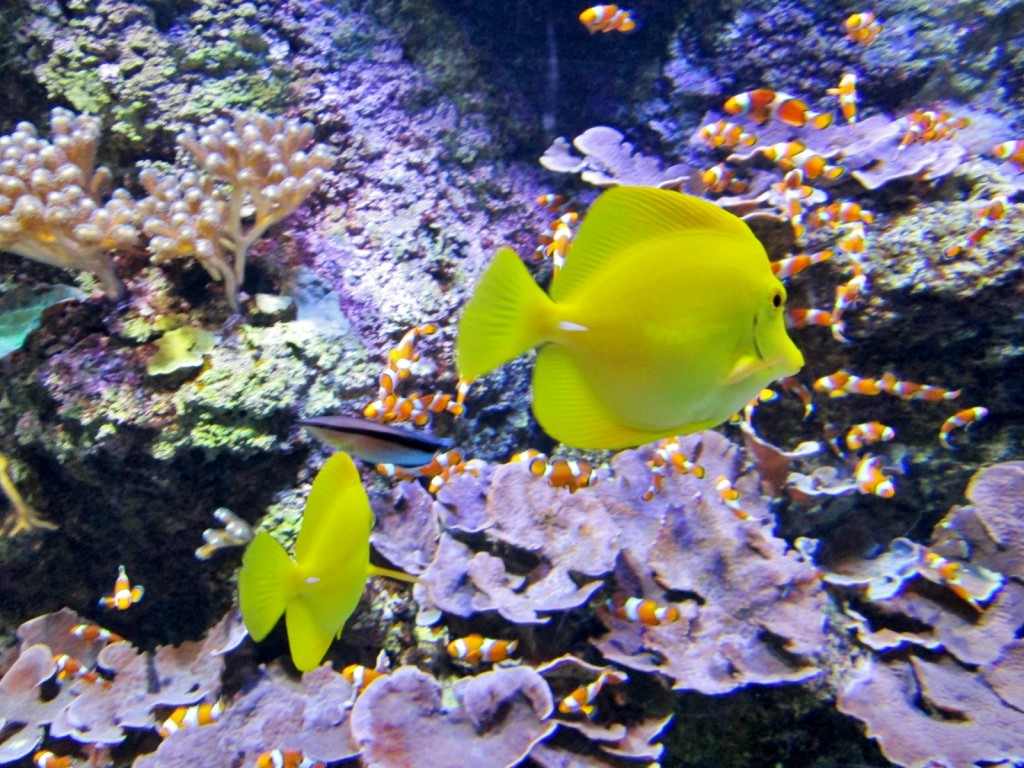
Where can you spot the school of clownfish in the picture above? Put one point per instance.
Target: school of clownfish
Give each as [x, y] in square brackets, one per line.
[850, 220]
[799, 164]
[472, 650]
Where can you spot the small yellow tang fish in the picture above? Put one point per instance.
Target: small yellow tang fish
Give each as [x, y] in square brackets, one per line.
[320, 588]
[666, 320]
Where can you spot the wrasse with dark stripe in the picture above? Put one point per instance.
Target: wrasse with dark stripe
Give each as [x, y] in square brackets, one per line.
[376, 443]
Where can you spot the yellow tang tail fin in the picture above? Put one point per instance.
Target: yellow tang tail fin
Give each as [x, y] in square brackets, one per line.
[265, 584]
[508, 315]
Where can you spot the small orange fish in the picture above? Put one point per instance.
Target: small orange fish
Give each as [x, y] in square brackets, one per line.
[644, 611]
[69, 668]
[195, 716]
[552, 202]
[793, 190]
[990, 213]
[669, 454]
[843, 383]
[562, 473]
[720, 179]
[726, 135]
[972, 584]
[1011, 151]
[805, 318]
[908, 390]
[607, 18]
[286, 758]
[787, 268]
[840, 213]
[763, 104]
[964, 419]
[794, 154]
[854, 241]
[476, 649]
[847, 93]
[125, 595]
[862, 28]
[868, 433]
[731, 498]
[360, 676]
[871, 479]
[92, 633]
[582, 699]
[44, 758]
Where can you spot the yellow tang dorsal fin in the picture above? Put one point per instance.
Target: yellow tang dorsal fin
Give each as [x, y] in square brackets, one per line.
[337, 521]
[624, 217]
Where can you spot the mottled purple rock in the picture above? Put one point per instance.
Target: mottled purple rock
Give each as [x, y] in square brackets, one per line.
[400, 720]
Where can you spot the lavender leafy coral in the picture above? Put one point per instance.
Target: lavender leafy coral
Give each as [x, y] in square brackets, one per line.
[401, 721]
[963, 706]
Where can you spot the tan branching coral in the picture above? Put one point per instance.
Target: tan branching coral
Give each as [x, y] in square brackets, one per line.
[253, 173]
[23, 518]
[51, 195]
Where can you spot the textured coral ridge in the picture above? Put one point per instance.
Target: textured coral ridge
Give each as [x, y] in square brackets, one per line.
[753, 612]
[505, 553]
[963, 706]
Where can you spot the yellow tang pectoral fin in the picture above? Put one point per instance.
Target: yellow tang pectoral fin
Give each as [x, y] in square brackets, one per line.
[567, 408]
[745, 367]
[506, 317]
[308, 640]
[265, 584]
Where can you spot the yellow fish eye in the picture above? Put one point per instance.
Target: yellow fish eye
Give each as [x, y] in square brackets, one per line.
[777, 299]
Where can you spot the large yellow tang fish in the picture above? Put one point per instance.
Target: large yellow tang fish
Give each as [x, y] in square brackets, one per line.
[320, 588]
[666, 320]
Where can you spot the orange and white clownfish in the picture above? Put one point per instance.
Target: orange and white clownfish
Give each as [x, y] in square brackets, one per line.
[92, 633]
[974, 585]
[607, 18]
[847, 93]
[784, 269]
[645, 611]
[360, 676]
[964, 419]
[862, 28]
[908, 390]
[1011, 151]
[195, 716]
[70, 668]
[44, 758]
[124, 595]
[582, 699]
[563, 473]
[868, 433]
[763, 104]
[286, 758]
[476, 649]
[725, 134]
[872, 480]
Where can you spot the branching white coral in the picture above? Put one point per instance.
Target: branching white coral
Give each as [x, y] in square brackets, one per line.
[51, 199]
[254, 172]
